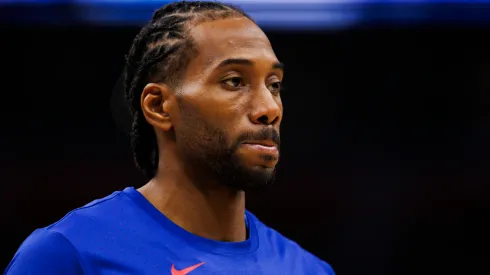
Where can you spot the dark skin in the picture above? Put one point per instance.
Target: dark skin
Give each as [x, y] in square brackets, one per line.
[215, 131]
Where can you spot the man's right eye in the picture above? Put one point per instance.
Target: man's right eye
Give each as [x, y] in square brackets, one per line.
[233, 83]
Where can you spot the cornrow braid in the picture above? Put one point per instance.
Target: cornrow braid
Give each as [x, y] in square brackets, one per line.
[161, 52]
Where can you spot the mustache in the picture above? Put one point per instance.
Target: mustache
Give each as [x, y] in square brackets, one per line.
[268, 133]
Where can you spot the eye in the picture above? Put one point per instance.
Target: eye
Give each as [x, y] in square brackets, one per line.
[233, 83]
[274, 87]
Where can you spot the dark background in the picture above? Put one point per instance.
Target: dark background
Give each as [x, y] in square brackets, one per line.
[386, 141]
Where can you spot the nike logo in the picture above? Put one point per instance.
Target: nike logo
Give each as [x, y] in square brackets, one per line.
[185, 270]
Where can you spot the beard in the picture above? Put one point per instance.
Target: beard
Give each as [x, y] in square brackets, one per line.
[210, 153]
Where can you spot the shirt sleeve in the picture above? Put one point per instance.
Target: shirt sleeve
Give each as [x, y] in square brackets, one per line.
[45, 252]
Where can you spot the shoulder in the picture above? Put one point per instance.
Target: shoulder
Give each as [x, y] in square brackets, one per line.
[291, 249]
[45, 252]
[59, 247]
[93, 217]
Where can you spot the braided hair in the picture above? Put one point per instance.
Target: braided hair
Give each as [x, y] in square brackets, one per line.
[161, 52]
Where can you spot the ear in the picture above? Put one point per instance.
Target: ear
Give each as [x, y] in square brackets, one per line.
[155, 105]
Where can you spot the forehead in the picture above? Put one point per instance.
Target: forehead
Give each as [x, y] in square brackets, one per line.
[231, 38]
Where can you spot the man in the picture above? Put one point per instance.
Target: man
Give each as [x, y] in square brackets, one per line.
[204, 87]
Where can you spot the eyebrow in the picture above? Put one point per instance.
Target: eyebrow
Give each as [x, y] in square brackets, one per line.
[246, 62]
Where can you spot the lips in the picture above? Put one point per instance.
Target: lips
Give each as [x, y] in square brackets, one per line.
[263, 146]
[266, 143]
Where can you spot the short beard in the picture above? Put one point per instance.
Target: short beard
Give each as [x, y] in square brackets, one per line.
[207, 151]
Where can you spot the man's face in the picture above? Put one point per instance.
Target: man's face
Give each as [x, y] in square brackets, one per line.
[229, 105]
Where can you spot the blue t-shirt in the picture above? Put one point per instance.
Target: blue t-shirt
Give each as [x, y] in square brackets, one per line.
[124, 234]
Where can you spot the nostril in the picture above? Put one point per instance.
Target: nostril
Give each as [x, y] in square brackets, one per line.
[263, 119]
[274, 121]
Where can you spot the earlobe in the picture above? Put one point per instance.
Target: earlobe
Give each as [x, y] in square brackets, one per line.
[154, 102]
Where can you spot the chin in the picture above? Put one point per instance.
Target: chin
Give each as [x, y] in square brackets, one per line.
[240, 173]
[253, 179]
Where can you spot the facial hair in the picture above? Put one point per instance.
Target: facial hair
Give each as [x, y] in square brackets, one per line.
[210, 153]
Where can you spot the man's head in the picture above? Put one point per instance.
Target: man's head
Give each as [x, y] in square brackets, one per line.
[203, 81]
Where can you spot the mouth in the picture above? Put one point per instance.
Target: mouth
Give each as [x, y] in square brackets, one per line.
[263, 146]
[265, 143]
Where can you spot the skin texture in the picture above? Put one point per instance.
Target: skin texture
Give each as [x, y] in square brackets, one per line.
[208, 127]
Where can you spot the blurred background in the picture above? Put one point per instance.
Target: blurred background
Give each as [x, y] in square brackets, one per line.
[386, 137]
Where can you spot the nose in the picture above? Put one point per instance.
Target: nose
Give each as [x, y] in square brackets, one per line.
[266, 108]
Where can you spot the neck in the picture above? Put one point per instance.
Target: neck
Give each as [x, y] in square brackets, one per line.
[202, 208]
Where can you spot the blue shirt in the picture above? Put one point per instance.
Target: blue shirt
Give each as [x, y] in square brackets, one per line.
[124, 234]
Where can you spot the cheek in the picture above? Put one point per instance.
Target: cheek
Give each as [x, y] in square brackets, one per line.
[189, 121]
[223, 112]
[281, 108]
[218, 110]
[198, 125]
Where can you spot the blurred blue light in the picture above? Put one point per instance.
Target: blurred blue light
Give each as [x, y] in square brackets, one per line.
[277, 14]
